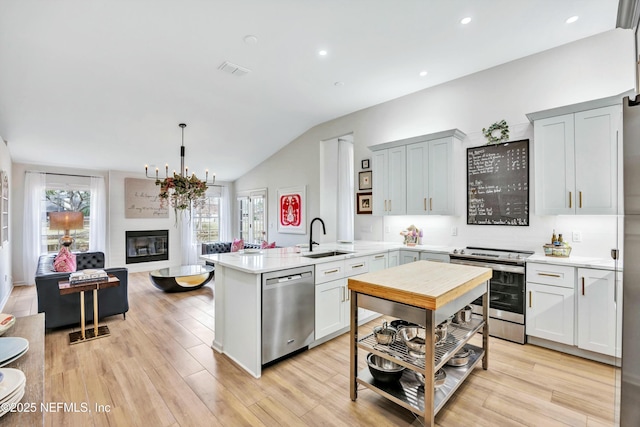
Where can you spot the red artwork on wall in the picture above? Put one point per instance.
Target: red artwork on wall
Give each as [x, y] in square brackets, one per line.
[290, 214]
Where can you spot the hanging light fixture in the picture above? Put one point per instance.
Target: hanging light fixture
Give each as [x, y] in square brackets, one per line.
[181, 190]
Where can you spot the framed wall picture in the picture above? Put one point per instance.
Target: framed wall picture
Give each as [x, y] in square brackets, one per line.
[364, 180]
[365, 164]
[364, 203]
[292, 205]
[142, 199]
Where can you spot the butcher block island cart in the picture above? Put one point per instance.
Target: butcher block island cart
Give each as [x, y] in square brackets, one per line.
[426, 293]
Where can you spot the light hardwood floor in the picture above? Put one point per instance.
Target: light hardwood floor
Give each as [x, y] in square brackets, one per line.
[157, 369]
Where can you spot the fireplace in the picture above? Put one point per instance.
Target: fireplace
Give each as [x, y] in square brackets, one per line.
[147, 246]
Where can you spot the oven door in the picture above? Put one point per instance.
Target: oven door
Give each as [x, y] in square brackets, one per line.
[506, 291]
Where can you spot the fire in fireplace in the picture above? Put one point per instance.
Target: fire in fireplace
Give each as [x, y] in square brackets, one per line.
[147, 246]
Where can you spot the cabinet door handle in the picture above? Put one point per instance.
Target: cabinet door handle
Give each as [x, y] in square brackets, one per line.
[580, 197]
[331, 271]
[529, 299]
[549, 274]
[385, 205]
[583, 286]
[379, 256]
[570, 200]
[357, 266]
[389, 205]
[430, 203]
[342, 292]
[424, 203]
[346, 290]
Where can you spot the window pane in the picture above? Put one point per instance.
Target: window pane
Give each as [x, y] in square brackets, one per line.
[67, 201]
[206, 221]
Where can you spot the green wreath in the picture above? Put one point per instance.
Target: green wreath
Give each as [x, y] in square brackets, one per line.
[502, 126]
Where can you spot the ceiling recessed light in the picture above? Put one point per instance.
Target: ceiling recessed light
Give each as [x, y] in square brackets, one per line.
[338, 84]
[465, 21]
[322, 53]
[423, 73]
[250, 39]
[571, 20]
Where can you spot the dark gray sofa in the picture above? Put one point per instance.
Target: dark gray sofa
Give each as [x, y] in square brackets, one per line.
[64, 310]
[222, 247]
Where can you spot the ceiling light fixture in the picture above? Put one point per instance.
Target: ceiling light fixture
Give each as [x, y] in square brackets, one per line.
[572, 19]
[338, 84]
[423, 73]
[322, 53]
[181, 189]
[465, 21]
[250, 39]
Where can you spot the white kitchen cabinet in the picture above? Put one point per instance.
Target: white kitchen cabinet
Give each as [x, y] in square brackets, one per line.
[331, 309]
[378, 262]
[389, 181]
[550, 308]
[409, 256]
[434, 256]
[576, 162]
[394, 259]
[598, 317]
[430, 177]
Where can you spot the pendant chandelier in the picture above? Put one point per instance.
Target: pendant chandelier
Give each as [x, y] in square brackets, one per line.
[181, 190]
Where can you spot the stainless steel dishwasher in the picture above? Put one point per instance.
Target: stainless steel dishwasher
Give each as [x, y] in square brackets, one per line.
[288, 311]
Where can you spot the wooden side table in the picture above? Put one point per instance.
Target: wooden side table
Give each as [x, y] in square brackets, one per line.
[97, 332]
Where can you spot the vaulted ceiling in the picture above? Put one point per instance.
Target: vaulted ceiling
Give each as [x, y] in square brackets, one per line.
[104, 84]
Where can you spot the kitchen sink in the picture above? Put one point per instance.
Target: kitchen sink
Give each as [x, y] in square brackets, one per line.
[326, 254]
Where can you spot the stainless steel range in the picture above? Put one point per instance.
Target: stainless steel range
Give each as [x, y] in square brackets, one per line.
[506, 288]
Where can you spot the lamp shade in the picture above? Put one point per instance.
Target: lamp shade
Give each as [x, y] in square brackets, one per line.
[66, 220]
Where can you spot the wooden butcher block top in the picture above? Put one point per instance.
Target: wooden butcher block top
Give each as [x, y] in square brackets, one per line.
[424, 284]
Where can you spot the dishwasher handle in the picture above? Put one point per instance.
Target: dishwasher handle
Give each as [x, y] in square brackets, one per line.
[289, 279]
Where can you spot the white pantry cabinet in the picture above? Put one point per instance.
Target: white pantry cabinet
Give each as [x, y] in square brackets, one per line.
[599, 309]
[576, 161]
[389, 181]
[550, 302]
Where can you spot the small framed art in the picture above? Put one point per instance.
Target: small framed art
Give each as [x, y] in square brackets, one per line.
[365, 164]
[364, 203]
[364, 180]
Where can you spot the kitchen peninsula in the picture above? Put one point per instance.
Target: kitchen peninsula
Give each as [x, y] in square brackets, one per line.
[241, 276]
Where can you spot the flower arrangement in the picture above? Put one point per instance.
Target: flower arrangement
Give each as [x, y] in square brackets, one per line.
[181, 191]
[412, 235]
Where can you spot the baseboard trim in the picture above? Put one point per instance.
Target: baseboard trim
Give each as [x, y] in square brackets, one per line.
[574, 351]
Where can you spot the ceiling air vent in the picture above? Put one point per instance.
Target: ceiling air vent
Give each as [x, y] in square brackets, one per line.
[234, 69]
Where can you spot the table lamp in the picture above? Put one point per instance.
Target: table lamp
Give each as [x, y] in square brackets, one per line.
[66, 221]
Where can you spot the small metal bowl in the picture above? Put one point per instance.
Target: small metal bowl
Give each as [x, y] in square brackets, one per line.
[384, 370]
[414, 338]
[461, 358]
[384, 334]
[439, 378]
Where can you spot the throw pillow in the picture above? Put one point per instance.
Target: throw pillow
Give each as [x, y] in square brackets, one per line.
[65, 261]
[267, 245]
[237, 245]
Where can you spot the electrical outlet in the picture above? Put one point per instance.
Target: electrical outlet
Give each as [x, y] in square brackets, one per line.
[576, 236]
[454, 231]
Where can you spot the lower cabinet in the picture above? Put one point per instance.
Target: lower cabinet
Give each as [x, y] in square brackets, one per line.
[394, 259]
[599, 306]
[408, 256]
[332, 307]
[550, 312]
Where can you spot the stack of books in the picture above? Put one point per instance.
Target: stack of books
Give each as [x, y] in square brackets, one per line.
[88, 276]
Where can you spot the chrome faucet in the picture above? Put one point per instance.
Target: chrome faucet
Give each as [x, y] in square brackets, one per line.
[324, 231]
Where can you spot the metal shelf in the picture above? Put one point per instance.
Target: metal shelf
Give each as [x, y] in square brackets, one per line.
[457, 337]
[408, 392]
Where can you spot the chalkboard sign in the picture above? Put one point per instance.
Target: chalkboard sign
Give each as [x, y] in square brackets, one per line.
[498, 184]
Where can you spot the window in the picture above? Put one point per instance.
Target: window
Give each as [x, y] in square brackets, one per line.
[206, 220]
[66, 200]
[252, 209]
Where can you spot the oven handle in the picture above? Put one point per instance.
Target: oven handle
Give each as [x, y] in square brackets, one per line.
[498, 267]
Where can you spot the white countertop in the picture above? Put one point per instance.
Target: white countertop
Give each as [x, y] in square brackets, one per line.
[276, 259]
[577, 261]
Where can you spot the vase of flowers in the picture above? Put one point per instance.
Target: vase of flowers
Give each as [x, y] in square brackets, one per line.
[412, 235]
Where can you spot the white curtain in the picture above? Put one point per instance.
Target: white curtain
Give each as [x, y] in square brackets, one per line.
[98, 218]
[225, 215]
[189, 243]
[346, 191]
[32, 244]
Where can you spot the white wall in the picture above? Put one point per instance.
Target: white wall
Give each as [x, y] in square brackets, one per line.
[592, 68]
[6, 270]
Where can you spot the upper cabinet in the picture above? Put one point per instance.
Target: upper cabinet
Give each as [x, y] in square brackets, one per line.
[389, 181]
[576, 159]
[415, 176]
